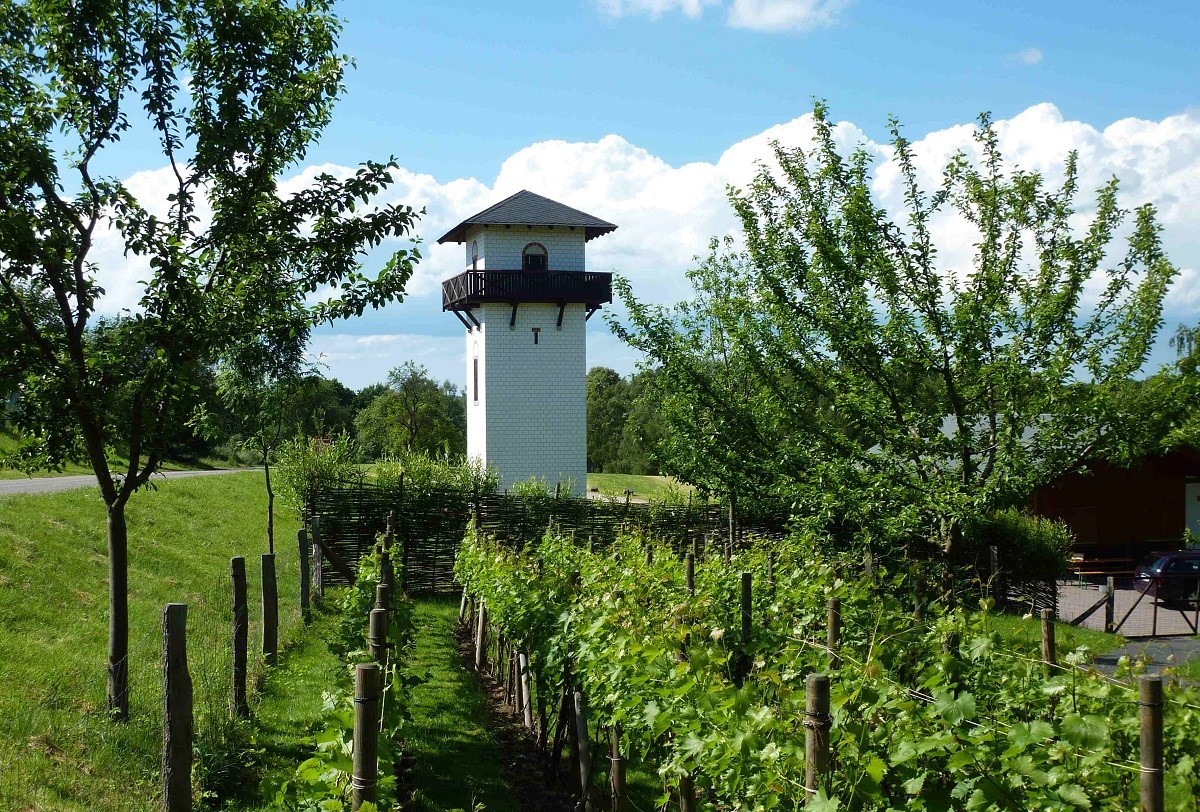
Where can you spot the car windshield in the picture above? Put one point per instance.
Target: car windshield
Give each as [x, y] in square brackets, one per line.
[1153, 562]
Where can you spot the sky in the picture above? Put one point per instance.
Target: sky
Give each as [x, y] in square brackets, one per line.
[643, 112]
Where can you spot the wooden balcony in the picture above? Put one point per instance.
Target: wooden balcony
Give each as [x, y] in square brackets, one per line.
[472, 288]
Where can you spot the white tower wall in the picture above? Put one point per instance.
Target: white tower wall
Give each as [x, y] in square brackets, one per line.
[526, 396]
[500, 247]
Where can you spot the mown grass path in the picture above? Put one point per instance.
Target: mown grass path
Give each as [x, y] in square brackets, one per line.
[456, 760]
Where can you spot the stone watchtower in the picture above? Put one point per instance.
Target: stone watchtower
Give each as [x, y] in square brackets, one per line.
[525, 299]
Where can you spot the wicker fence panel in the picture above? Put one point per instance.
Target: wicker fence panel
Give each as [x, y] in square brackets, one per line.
[430, 524]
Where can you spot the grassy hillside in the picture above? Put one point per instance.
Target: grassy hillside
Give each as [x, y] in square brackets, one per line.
[57, 750]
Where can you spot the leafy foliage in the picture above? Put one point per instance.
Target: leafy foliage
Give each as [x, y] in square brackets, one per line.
[306, 463]
[841, 359]
[919, 722]
[425, 472]
[415, 414]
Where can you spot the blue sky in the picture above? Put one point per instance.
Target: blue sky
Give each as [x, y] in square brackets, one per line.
[639, 111]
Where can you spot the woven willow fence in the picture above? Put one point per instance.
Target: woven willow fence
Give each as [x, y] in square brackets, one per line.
[430, 524]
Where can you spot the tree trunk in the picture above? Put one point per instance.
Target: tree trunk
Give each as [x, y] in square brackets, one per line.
[118, 613]
[270, 507]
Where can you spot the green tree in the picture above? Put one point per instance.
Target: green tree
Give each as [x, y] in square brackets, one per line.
[415, 414]
[607, 409]
[839, 359]
[325, 406]
[235, 93]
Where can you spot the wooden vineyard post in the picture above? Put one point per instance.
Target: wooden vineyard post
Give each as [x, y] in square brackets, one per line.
[481, 637]
[833, 632]
[1150, 700]
[620, 793]
[270, 611]
[649, 555]
[695, 548]
[689, 569]
[305, 576]
[869, 565]
[771, 571]
[382, 597]
[364, 781]
[318, 579]
[585, 756]
[462, 607]
[918, 599]
[687, 793]
[241, 632]
[1048, 648]
[816, 731]
[377, 637]
[994, 579]
[744, 670]
[527, 700]
[177, 712]
[1110, 604]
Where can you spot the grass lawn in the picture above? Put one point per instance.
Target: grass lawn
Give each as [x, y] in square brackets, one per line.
[643, 487]
[456, 763]
[1026, 632]
[57, 749]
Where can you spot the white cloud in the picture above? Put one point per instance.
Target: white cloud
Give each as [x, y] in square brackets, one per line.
[1029, 56]
[667, 214]
[754, 15]
[785, 15]
[654, 8]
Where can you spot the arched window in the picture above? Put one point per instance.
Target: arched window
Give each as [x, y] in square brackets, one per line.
[474, 255]
[534, 258]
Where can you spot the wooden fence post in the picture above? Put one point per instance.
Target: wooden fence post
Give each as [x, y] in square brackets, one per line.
[585, 756]
[1049, 655]
[177, 712]
[481, 637]
[241, 631]
[620, 793]
[1150, 698]
[527, 708]
[816, 731]
[377, 637]
[689, 569]
[364, 781]
[1110, 604]
[318, 567]
[270, 611]
[305, 576]
[746, 627]
[833, 632]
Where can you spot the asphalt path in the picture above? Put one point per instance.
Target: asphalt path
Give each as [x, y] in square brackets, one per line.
[65, 483]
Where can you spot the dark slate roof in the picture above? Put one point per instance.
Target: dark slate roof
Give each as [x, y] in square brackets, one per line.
[528, 209]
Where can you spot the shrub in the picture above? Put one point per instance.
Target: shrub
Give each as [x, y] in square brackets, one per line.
[305, 463]
[1033, 546]
[425, 472]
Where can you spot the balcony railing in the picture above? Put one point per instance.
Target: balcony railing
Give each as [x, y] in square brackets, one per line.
[556, 287]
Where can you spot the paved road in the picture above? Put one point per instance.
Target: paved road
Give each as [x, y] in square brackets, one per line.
[66, 483]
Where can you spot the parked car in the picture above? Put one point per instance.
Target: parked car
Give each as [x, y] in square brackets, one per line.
[1172, 575]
